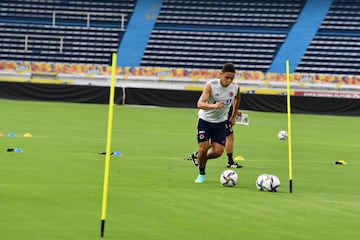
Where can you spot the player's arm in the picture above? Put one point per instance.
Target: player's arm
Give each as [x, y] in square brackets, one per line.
[235, 107]
[204, 98]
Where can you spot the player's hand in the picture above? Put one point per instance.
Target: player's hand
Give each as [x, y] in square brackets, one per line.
[239, 113]
[219, 105]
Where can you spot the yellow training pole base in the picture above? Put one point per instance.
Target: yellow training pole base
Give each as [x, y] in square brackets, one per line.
[102, 228]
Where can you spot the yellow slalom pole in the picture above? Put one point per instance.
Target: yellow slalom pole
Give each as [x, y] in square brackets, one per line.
[289, 123]
[108, 145]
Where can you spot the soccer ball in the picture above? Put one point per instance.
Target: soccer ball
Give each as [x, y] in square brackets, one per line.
[260, 180]
[282, 135]
[228, 178]
[268, 183]
[271, 184]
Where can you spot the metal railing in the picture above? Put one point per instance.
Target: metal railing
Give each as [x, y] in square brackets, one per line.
[88, 16]
[27, 37]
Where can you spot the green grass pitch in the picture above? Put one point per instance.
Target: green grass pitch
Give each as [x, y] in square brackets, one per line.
[53, 190]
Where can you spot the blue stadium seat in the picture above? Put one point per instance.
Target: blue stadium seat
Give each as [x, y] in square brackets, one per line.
[195, 33]
[335, 48]
[86, 44]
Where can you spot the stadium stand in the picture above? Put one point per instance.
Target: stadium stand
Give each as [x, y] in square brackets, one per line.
[205, 49]
[204, 34]
[60, 44]
[62, 30]
[335, 48]
[187, 33]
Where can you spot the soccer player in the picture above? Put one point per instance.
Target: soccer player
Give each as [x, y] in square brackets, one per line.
[229, 145]
[215, 101]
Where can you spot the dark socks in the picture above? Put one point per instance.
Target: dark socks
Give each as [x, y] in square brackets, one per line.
[230, 158]
[201, 171]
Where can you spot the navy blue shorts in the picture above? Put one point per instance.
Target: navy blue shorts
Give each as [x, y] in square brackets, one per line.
[214, 131]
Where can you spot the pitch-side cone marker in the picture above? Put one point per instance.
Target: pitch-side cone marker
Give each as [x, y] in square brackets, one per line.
[116, 154]
[112, 154]
[19, 150]
[1, 134]
[27, 135]
[340, 162]
[239, 158]
[11, 135]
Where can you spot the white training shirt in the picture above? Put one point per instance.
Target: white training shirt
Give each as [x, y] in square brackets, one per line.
[219, 94]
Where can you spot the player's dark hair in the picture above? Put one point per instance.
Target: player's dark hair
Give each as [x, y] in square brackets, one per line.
[228, 67]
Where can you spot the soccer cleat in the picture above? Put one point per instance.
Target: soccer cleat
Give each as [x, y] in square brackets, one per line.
[233, 165]
[200, 178]
[193, 158]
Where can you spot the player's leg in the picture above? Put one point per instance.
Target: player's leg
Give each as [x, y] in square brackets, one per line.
[202, 155]
[215, 151]
[194, 156]
[229, 147]
[202, 159]
[203, 136]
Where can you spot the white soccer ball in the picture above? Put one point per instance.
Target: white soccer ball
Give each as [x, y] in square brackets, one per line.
[228, 178]
[271, 184]
[260, 180]
[282, 135]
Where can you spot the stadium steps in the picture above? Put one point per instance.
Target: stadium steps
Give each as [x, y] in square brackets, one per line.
[192, 34]
[93, 45]
[335, 48]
